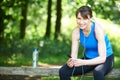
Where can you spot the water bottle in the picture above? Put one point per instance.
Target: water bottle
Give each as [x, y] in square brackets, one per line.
[35, 57]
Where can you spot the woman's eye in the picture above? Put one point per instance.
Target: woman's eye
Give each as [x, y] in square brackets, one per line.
[79, 18]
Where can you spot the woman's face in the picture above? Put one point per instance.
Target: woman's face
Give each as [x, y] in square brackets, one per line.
[83, 23]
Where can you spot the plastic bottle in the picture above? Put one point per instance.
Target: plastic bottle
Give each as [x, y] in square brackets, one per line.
[35, 57]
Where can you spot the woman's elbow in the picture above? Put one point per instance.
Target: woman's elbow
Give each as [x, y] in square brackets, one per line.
[103, 59]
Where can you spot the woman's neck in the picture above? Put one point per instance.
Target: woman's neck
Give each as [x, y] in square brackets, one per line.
[87, 30]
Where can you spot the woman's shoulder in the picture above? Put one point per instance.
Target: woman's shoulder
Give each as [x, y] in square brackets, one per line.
[76, 32]
[99, 30]
[99, 27]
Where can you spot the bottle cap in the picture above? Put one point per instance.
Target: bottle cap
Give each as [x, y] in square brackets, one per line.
[35, 49]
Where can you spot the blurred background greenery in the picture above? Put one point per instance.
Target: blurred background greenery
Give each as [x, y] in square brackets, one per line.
[47, 25]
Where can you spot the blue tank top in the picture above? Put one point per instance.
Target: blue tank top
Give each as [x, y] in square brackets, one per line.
[90, 43]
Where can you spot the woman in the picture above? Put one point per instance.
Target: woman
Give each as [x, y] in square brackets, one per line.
[98, 50]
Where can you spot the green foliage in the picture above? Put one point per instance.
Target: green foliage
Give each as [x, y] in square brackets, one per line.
[18, 51]
[37, 14]
[106, 9]
[15, 52]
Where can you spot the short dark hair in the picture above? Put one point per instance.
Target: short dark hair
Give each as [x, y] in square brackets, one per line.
[84, 11]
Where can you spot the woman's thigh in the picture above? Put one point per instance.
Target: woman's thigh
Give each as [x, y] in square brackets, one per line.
[65, 70]
[82, 69]
[107, 66]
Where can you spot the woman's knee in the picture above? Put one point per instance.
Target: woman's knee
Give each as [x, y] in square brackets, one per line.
[63, 70]
[98, 72]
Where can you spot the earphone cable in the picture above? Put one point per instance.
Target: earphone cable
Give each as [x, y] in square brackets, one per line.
[83, 59]
[82, 66]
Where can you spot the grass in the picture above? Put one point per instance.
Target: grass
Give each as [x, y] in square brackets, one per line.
[72, 78]
[75, 78]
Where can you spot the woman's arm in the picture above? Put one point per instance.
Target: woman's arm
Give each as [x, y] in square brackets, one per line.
[75, 43]
[74, 47]
[99, 33]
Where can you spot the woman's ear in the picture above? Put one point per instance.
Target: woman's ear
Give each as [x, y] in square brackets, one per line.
[89, 17]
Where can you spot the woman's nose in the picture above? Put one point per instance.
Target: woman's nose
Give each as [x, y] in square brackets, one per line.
[81, 21]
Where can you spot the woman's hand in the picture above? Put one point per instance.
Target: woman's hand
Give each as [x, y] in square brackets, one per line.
[78, 62]
[70, 62]
[74, 62]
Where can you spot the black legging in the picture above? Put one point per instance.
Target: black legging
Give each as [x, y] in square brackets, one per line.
[99, 71]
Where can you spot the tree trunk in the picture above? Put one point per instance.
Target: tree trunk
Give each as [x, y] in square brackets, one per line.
[23, 21]
[48, 27]
[2, 15]
[58, 19]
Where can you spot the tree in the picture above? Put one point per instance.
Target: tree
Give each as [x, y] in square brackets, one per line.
[58, 19]
[2, 14]
[48, 27]
[24, 19]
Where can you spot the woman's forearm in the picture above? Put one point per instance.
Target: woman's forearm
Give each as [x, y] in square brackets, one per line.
[94, 61]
